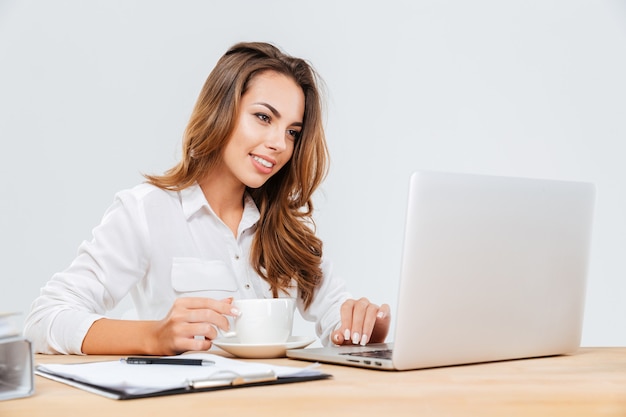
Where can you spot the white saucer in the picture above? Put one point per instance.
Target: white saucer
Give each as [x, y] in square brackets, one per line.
[232, 345]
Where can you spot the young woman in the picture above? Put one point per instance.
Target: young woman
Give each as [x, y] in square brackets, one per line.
[233, 219]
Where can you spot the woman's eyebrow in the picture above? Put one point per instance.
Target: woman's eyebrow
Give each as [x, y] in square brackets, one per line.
[275, 112]
[271, 108]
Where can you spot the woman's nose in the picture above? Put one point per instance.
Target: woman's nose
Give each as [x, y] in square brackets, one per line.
[276, 140]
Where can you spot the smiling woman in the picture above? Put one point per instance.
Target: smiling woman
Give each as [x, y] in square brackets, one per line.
[262, 142]
[233, 219]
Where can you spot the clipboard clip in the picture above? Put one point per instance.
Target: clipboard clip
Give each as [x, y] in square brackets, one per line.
[233, 379]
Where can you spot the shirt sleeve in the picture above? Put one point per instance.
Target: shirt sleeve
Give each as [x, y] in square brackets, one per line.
[103, 272]
[325, 310]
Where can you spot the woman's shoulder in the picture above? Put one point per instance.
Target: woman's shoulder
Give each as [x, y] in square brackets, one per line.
[149, 197]
[145, 191]
[145, 196]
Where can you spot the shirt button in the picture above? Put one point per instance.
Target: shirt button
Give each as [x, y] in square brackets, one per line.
[236, 257]
[247, 286]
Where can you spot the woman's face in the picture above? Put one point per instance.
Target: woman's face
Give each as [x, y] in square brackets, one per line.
[269, 122]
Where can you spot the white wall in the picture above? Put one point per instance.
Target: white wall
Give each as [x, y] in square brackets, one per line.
[92, 93]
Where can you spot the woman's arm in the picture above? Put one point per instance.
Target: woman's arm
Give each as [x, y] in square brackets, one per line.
[103, 272]
[191, 324]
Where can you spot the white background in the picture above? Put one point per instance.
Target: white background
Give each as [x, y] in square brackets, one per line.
[94, 93]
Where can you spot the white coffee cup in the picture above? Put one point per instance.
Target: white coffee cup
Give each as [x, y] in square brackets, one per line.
[263, 320]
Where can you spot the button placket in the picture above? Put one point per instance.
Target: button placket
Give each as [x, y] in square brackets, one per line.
[241, 271]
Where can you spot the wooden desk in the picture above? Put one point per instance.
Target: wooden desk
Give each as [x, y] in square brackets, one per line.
[591, 382]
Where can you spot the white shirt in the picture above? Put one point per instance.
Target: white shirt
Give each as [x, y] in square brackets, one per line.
[158, 245]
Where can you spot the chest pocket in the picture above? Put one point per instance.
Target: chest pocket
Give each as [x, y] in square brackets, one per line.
[192, 277]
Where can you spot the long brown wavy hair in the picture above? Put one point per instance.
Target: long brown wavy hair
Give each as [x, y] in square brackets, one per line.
[284, 247]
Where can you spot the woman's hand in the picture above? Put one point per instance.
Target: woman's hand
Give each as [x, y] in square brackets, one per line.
[190, 317]
[362, 322]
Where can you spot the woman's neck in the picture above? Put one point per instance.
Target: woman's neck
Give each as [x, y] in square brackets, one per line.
[225, 198]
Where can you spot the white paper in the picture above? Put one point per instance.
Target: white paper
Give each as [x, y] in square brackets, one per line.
[145, 379]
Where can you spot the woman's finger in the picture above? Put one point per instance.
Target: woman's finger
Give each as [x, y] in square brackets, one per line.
[359, 311]
[346, 319]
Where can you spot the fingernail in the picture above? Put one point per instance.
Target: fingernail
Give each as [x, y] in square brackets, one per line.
[346, 334]
[380, 315]
[355, 338]
[336, 338]
[235, 312]
[364, 340]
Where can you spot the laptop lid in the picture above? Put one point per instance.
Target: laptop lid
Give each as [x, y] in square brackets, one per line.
[493, 268]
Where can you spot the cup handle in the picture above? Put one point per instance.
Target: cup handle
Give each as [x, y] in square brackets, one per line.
[227, 334]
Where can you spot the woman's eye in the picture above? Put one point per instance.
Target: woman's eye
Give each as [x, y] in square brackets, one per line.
[294, 134]
[264, 117]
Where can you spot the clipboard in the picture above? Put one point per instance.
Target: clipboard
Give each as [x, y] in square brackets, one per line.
[99, 377]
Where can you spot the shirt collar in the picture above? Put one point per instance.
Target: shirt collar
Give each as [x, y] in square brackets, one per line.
[251, 214]
[193, 200]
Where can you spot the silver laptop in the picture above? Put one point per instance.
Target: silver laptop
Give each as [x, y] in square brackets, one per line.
[493, 268]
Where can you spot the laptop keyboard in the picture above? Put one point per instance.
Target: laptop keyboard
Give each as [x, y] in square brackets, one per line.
[377, 354]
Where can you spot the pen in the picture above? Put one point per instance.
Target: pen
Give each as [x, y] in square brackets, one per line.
[167, 361]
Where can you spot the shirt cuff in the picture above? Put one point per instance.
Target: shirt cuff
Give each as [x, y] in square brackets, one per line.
[71, 327]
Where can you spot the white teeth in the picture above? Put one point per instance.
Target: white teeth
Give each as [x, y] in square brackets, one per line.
[262, 161]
